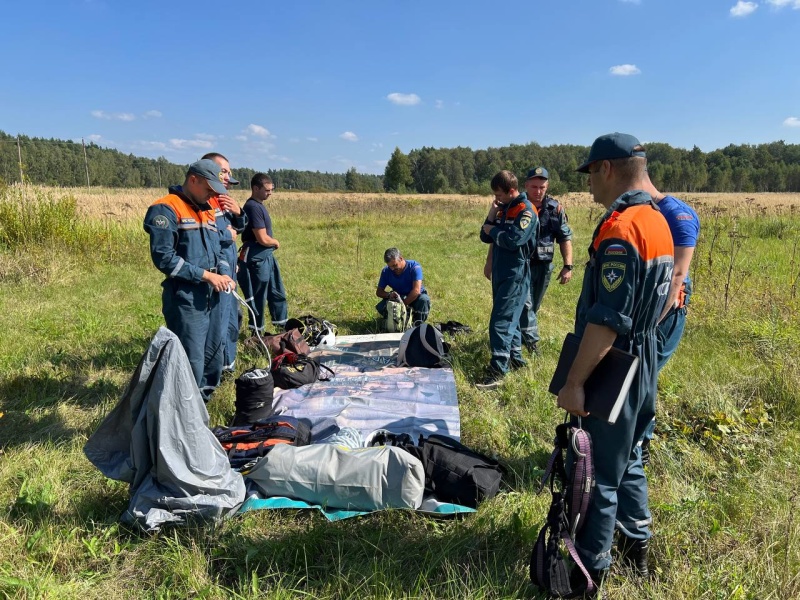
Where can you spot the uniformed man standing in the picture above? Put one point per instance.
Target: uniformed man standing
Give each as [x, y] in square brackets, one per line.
[231, 221]
[185, 246]
[510, 227]
[624, 291]
[553, 229]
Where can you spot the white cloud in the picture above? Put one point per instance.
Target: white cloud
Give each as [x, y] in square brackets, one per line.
[312, 139]
[152, 114]
[149, 145]
[241, 138]
[380, 163]
[180, 144]
[205, 136]
[742, 8]
[795, 4]
[294, 140]
[258, 131]
[439, 104]
[792, 122]
[403, 99]
[96, 137]
[625, 70]
[349, 136]
[101, 114]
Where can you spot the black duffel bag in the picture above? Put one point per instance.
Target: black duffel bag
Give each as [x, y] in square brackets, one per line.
[291, 370]
[254, 392]
[455, 473]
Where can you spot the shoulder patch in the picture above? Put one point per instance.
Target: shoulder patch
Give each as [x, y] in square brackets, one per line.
[525, 220]
[160, 221]
[616, 250]
[684, 217]
[612, 275]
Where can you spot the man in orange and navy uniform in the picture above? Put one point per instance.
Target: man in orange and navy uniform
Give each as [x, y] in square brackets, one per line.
[510, 228]
[185, 246]
[624, 292]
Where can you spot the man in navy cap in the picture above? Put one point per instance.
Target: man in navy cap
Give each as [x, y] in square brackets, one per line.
[185, 246]
[231, 221]
[553, 229]
[625, 288]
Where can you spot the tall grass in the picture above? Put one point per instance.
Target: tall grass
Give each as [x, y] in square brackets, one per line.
[724, 477]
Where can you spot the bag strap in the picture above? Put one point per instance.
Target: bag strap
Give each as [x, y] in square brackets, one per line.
[439, 351]
[327, 368]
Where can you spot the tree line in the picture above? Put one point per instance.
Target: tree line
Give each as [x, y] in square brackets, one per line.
[773, 167]
[64, 163]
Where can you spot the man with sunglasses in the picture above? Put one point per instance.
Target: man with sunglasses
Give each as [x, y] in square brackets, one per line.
[185, 246]
[259, 273]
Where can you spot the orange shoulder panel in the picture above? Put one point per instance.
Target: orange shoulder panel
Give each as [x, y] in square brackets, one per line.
[514, 211]
[183, 210]
[642, 227]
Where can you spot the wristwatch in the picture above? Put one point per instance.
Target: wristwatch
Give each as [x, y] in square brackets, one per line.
[568, 267]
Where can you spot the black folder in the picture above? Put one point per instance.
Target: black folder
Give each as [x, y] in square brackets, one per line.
[607, 386]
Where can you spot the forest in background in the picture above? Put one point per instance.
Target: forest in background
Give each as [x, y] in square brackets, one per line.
[772, 167]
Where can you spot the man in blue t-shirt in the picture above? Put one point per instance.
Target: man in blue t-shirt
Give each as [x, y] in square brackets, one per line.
[684, 225]
[259, 274]
[404, 277]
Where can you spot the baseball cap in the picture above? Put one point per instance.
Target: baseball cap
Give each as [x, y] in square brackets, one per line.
[537, 172]
[611, 146]
[211, 171]
[233, 181]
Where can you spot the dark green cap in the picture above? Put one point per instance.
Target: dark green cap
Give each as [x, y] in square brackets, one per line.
[611, 146]
[211, 171]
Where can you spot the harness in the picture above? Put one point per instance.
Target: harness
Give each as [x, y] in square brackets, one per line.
[565, 518]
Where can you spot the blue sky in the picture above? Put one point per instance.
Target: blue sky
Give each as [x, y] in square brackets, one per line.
[326, 85]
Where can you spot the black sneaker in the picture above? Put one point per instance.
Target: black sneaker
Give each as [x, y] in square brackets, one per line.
[532, 347]
[515, 364]
[491, 381]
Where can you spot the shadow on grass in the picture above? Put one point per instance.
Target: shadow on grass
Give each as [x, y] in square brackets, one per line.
[35, 404]
[387, 554]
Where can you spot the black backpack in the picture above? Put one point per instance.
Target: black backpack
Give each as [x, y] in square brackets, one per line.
[315, 330]
[566, 517]
[423, 346]
[291, 370]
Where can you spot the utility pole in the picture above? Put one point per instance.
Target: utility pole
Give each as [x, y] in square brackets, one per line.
[19, 154]
[86, 163]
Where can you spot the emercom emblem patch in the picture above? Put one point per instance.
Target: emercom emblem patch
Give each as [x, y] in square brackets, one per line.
[525, 220]
[161, 221]
[612, 275]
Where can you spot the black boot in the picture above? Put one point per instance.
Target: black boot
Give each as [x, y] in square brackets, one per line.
[577, 581]
[633, 553]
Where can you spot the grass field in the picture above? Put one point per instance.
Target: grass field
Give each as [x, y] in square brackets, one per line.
[80, 300]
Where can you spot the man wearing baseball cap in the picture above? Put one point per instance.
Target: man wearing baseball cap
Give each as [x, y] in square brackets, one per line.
[231, 221]
[185, 246]
[553, 229]
[624, 292]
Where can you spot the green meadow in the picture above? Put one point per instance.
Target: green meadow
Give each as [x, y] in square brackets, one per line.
[80, 300]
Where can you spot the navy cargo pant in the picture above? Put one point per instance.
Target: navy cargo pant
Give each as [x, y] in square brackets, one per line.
[259, 277]
[192, 312]
[619, 500]
[505, 338]
[231, 318]
[528, 322]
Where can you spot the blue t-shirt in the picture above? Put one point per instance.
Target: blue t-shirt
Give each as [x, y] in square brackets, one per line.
[257, 218]
[403, 283]
[684, 224]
